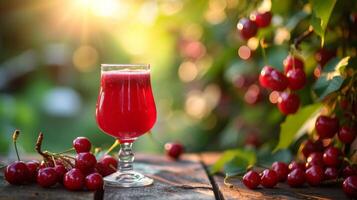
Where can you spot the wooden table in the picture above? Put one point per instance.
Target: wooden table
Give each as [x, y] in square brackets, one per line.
[183, 179]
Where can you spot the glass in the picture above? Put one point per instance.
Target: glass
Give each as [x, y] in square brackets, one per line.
[126, 110]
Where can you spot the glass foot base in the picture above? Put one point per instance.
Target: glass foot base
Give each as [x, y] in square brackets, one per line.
[127, 179]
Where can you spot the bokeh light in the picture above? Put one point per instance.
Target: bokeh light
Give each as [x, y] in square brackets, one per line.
[85, 58]
[244, 52]
[187, 71]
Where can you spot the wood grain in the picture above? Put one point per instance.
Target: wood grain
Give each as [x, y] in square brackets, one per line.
[183, 179]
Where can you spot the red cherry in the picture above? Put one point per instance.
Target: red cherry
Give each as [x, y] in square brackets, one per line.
[288, 103]
[296, 165]
[268, 178]
[281, 169]
[174, 150]
[291, 62]
[251, 179]
[296, 78]
[314, 175]
[349, 186]
[347, 134]
[47, 163]
[17, 173]
[252, 139]
[247, 28]
[85, 162]
[310, 146]
[332, 157]
[273, 79]
[94, 181]
[73, 179]
[82, 144]
[33, 167]
[323, 55]
[349, 170]
[344, 103]
[330, 173]
[326, 127]
[314, 159]
[47, 177]
[107, 165]
[262, 19]
[296, 177]
[60, 170]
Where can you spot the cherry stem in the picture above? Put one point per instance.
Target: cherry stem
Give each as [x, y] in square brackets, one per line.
[15, 135]
[262, 45]
[66, 151]
[115, 144]
[225, 181]
[302, 37]
[39, 144]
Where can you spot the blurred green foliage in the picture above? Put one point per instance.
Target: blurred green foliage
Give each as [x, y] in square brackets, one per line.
[51, 52]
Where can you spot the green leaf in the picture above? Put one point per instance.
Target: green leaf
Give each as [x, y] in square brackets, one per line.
[331, 78]
[297, 124]
[235, 167]
[234, 160]
[321, 12]
[266, 157]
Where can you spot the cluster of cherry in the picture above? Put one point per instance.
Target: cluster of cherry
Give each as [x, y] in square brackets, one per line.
[75, 173]
[293, 79]
[248, 28]
[323, 161]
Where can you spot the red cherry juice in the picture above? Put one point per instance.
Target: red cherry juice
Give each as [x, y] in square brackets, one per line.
[125, 107]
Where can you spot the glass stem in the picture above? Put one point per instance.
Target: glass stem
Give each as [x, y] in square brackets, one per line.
[126, 157]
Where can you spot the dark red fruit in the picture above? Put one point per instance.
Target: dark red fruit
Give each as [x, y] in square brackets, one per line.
[291, 62]
[349, 186]
[82, 144]
[281, 169]
[330, 173]
[60, 170]
[262, 19]
[332, 157]
[268, 178]
[296, 165]
[73, 179]
[174, 150]
[47, 177]
[347, 134]
[314, 175]
[288, 103]
[17, 173]
[251, 179]
[273, 79]
[33, 166]
[296, 178]
[85, 162]
[107, 165]
[326, 127]
[314, 159]
[247, 28]
[309, 147]
[44, 164]
[94, 181]
[252, 139]
[349, 170]
[296, 78]
[323, 55]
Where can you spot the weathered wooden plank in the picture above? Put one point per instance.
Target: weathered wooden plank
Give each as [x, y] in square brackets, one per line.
[183, 179]
[282, 191]
[35, 192]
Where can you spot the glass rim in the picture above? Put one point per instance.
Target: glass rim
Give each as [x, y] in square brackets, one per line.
[145, 66]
